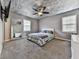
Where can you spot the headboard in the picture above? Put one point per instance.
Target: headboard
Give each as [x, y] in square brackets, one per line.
[49, 29]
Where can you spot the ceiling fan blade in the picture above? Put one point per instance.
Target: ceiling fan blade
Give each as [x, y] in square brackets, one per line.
[1, 7]
[35, 13]
[34, 9]
[7, 9]
[44, 8]
[2, 11]
[46, 12]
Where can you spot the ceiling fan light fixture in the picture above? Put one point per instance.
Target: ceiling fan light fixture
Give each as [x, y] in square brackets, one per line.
[40, 13]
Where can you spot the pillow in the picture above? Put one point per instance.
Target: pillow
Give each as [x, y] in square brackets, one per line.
[45, 31]
[48, 31]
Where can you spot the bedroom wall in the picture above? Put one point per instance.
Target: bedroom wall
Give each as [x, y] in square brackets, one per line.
[56, 22]
[1, 35]
[15, 17]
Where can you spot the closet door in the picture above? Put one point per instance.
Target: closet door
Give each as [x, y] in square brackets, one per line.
[1, 36]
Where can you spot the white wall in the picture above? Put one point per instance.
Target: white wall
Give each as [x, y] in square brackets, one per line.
[15, 17]
[1, 36]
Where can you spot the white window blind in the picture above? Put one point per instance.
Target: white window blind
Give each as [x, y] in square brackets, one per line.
[69, 24]
[27, 25]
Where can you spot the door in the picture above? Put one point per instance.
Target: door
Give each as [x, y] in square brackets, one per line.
[75, 47]
[1, 36]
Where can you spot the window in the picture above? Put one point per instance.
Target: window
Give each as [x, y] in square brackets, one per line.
[27, 25]
[69, 24]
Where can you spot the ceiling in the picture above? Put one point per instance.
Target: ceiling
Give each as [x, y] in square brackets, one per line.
[24, 7]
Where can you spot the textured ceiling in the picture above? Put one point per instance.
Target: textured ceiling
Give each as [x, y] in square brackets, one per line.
[24, 7]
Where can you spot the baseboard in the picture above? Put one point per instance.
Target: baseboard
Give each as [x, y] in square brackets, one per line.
[62, 39]
[7, 40]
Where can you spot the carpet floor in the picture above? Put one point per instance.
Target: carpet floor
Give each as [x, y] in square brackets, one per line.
[24, 49]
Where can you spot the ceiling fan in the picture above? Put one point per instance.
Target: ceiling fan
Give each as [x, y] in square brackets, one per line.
[40, 10]
[5, 11]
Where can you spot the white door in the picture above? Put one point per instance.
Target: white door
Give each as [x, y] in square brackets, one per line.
[75, 47]
[1, 36]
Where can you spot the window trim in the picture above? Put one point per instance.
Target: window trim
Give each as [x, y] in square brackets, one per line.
[29, 24]
[70, 24]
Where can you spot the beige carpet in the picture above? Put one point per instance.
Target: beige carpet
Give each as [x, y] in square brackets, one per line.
[24, 49]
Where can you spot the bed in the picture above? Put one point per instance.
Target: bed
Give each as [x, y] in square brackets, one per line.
[41, 38]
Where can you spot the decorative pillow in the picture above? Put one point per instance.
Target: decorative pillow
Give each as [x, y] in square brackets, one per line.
[48, 31]
[45, 31]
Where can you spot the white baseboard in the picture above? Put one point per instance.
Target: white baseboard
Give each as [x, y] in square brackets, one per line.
[7, 40]
[62, 39]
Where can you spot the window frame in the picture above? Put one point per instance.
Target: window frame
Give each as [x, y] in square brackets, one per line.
[26, 25]
[74, 23]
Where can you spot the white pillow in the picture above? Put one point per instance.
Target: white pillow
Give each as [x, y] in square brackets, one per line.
[48, 31]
